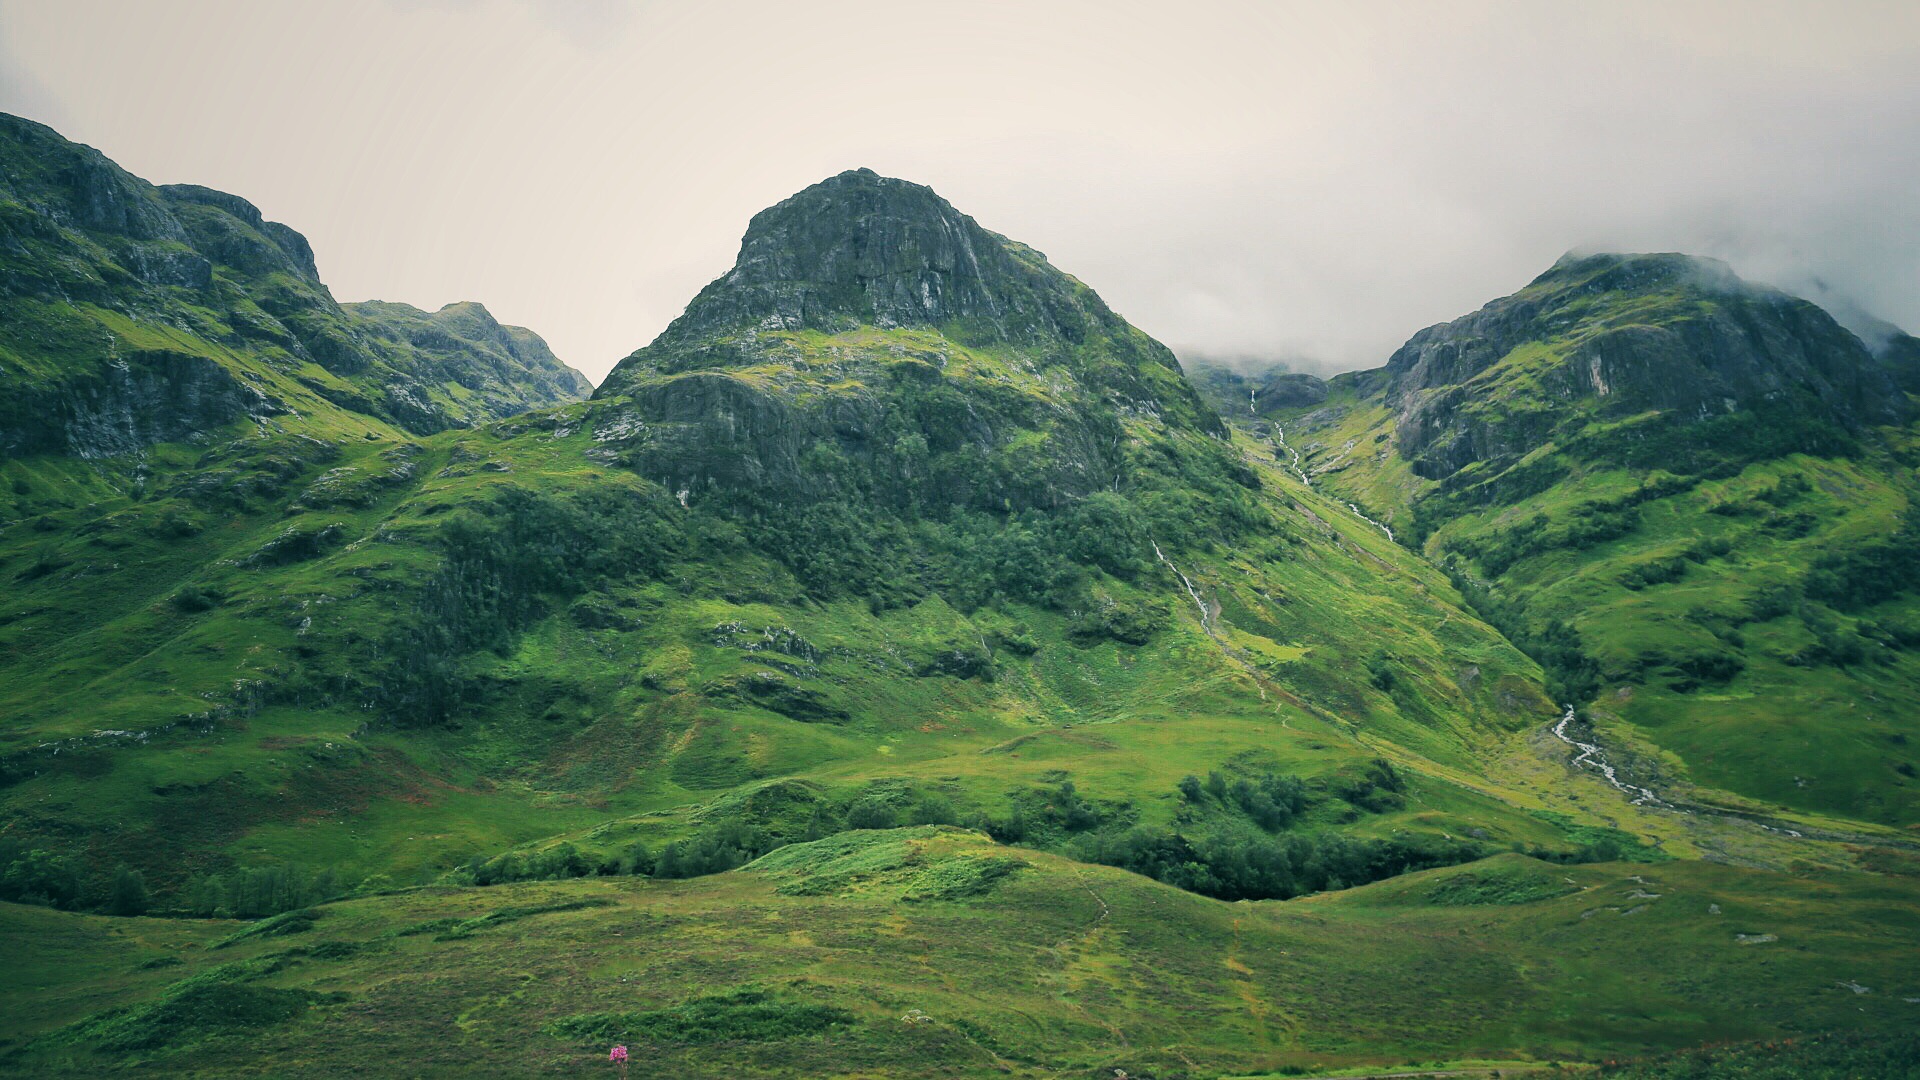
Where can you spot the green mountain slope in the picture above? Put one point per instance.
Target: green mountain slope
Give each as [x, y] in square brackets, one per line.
[951, 560]
[132, 315]
[900, 567]
[1689, 496]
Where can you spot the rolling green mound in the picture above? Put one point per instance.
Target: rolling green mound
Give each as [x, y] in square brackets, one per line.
[1690, 498]
[932, 951]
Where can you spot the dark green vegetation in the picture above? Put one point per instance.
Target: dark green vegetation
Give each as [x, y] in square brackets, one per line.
[838, 956]
[907, 538]
[1690, 498]
[1818, 1057]
[776, 708]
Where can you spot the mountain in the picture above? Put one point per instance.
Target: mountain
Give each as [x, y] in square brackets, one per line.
[1649, 342]
[940, 366]
[895, 662]
[804, 547]
[484, 369]
[132, 315]
[1253, 392]
[1901, 357]
[1689, 496]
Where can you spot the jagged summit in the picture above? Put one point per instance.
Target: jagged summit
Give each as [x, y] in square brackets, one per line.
[863, 250]
[865, 314]
[861, 247]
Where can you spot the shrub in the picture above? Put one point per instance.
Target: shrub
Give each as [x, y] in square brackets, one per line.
[746, 1015]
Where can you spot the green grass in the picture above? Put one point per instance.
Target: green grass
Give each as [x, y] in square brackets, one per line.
[1058, 967]
[1818, 1057]
[1701, 652]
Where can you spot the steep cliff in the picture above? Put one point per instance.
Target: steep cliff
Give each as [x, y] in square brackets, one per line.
[872, 339]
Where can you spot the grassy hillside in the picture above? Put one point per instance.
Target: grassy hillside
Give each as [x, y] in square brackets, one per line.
[901, 568]
[770, 583]
[132, 315]
[202, 680]
[932, 951]
[1731, 593]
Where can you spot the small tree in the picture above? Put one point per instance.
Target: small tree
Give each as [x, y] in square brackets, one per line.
[128, 893]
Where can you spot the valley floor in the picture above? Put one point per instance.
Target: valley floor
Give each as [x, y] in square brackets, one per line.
[933, 952]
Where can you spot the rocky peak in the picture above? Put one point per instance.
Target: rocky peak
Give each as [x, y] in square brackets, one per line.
[863, 250]
[76, 186]
[857, 248]
[1624, 334]
[282, 243]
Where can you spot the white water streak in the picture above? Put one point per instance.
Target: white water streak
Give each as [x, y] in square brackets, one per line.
[1280, 441]
[1206, 617]
[1591, 754]
[1206, 620]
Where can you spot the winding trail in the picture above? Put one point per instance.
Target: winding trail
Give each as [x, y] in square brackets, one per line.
[1088, 936]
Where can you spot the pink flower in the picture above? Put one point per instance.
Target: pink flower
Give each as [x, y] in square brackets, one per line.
[618, 1054]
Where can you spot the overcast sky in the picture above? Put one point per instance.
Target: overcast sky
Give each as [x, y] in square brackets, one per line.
[1280, 180]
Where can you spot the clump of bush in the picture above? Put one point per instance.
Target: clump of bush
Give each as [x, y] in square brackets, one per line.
[745, 1015]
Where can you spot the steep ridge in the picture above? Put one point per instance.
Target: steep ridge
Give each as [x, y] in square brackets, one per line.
[132, 315]
[1689, 496]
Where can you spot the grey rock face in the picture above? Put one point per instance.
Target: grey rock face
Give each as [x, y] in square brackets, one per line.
[135, 401]
[878, 415]
[1900, 358]
[860, 249]
[77, 186]
[1290, 390]
[237, 235]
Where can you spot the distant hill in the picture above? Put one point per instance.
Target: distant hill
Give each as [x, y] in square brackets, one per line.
[1254, 393]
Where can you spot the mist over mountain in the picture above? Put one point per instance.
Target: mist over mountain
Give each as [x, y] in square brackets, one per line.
[1240, 179]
